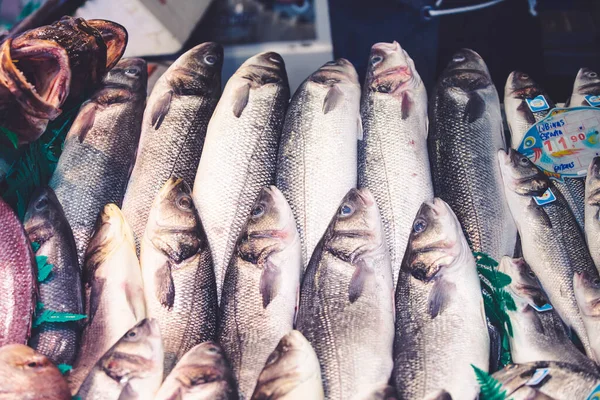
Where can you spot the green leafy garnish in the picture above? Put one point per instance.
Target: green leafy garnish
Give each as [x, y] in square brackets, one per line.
[64, 368]
[489, 387]
[56, 316]
[43, 267]
[35, 246]
[11, 136]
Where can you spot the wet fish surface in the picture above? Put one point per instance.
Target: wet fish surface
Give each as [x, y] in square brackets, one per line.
[173, 129]
[99, 150]
[586, 83]
[346, 303]
[177, 270]
[441, 325]
[317, 158]
[18, 279]
[592, 210]
[240, 152]
[46, 224]
[587, 293]
[260, 292]
[394, 144]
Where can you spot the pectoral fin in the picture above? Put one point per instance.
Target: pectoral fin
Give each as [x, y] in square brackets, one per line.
[360, 133]
[358, 280]
[165, 288]
[240, 100]
[128, 393]
[526, 112]
[84, 121]
[407, 105]
[161, 109]
[333, 98]
[270, 281]
[97, 287]
[475, 108]
[439, 296]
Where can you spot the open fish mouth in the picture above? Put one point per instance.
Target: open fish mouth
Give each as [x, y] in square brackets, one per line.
[38, 75]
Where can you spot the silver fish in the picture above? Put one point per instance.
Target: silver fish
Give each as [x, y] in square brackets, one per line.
[592, 210]
[587, 293]
[131, 369]
[114, 291]
[173, 129]
[440, 320]
[240, 152]
[45, 224]
[317, 160]
[346, 303]
[260, 292]
[202, 374]
[553, 244]
[292, 372]
[99, 150]
[586, 83]
[177, 269]
[537, 335]
[394, 115]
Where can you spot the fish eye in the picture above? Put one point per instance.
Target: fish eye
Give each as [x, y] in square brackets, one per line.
[210, 59]
[275, 60]
[419, 225]
[458, 58]
[273, 357]
[212, 349]
[133, 71]
[384, 89]
[524, 76]
[524, 161]
[346, 210]
[131, 334]
[596, 281]
[593, 75]
[530, 273]
[33, 364]
[184, 203]
[270, 79]
[376, 60]
[257, 211]
[41, 204]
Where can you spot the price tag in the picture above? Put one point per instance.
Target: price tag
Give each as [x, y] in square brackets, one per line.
[538, 376]
[547, 198]
[593, 100]
[564, 143]
[538, 103]
[595, 394]
[545, 307]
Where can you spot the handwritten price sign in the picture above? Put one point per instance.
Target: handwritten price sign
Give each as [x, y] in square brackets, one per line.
[564, 143]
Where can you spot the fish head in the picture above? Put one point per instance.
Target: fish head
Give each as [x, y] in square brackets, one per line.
[198, 71]
[587, 81]
[466, 72]
[524, 283]
[129, 73]
[340, 71]
[592, 183]
[173, 224]
[115, 37]
[44, 215]
[23, 370]
[356, 228]
[269, 227]
[587, 293]
[434, 242]
[520, 175]
[263, 69]
[520, 85]
[391, 70]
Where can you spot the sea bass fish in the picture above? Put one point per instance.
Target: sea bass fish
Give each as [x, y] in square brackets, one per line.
[177, 269]
[346, 304]
[586, 83]
[537, 335]
[553, 244]
[114, 291]
[46, 224]
[173, 129]
[466, 132]
[441, 325]
[99, 150]
[317, 159]
[131, 369]
[292, 372]
[394, 115]
[26, 374]
[202, 374]
[592, 210]
[260, 292]
[18, 279]
[241, 149]
[520, 88]
[587, 293]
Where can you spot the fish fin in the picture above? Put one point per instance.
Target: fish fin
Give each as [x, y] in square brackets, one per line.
[332, 99]
[270, 281]
[407, 104]
[439, 295]
[537, 322]
[165, 288]
[84, 121]
[475, 108]
[97, 287]
[240, 99]
[568, 102]
[161, 109]
[360, 128]
[297, 306]
[128, 393]
[357, 282]
[526, 112]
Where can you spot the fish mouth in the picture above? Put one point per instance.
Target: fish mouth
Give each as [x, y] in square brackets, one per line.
[268, 234]
[115, 37]
[38, 74]
[354, 233]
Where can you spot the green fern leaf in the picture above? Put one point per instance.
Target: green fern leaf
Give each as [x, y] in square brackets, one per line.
[489, 387]
[64, 368]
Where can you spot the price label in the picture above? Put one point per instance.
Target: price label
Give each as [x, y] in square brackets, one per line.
[564, 143]
[593, 100]
[538, 376]
[595, 394]
[537, 104]
[547, 198]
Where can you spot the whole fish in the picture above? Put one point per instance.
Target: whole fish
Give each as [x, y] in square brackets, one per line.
[18, 279]
[346, 303]
[537, 335]
[563, 381]
[520, 88]
[26, 374]
[587, 293]
[441, 325]
[394, 115]
[202, 374]
[553, 244]
[592, 210]
[292, 372]
[240, 149]
[131, 369]
[586, 83]
[177, 269]
[173, 129]
[114, 291]
[260, 292]
[99, 150]
[466, 132]
[61, 291]
[317, 159]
